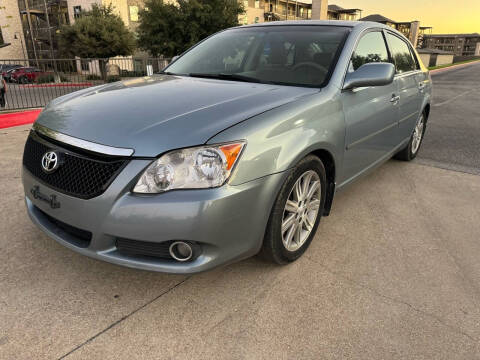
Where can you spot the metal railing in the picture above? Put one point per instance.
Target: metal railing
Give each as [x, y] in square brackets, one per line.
[32, 83]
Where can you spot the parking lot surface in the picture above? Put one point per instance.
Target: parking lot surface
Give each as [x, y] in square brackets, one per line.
[393, 273]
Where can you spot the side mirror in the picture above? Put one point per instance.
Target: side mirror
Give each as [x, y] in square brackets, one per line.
[370, 74]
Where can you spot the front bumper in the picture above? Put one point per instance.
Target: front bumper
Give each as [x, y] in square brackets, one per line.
[228, 222]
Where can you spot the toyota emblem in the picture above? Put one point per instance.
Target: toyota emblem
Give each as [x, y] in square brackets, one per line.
[50, 161]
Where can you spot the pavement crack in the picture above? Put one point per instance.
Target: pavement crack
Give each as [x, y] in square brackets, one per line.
[395, 300]
[123, 318]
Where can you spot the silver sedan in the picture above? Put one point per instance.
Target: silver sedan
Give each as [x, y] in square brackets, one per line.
[237, 148]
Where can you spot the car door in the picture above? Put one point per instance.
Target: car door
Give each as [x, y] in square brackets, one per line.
[407, 81]
[371, 113]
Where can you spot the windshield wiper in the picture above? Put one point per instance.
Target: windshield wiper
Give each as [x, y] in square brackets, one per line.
[166, 73]
[222, 76]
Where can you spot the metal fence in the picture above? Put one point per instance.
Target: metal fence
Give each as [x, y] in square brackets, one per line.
[32, 83]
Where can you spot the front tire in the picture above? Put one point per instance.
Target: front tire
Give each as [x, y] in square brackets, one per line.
[296, 213]
[411, 150]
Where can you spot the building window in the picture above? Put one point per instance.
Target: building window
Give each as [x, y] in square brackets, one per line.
[257, 4]
[133, 13]
[77, 10]
[245, 4]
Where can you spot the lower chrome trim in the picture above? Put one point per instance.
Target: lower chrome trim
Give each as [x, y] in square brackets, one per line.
[83, 144]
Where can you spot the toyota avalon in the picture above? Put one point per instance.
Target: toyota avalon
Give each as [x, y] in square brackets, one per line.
[237, 148]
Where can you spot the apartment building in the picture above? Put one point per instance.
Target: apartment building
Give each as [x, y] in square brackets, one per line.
[126, 9]
[41, 21]
[29, 28]
[336, 12]
[411, 29]
[459, 44]
[12, 41]
[276, 10]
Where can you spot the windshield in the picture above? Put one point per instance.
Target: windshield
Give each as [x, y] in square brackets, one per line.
[289, 55]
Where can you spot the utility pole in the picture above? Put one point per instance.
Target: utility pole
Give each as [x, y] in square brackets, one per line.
[50, 39]
[29, 20]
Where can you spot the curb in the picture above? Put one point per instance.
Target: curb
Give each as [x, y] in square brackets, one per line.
[11, 119]
[57, 85]
[436, 71]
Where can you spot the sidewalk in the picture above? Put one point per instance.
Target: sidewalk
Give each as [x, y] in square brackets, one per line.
[18, 118]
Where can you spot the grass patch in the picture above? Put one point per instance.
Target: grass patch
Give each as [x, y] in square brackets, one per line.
[448, 65]
[49, 78]
[93, 77]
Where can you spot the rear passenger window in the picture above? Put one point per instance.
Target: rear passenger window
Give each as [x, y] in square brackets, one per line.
[401, 54]
[370, 48]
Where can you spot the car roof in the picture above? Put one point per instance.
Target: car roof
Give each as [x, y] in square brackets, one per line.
[350, 24]
[346, 23]
[306, 22]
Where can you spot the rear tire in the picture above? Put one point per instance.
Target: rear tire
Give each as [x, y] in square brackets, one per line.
[305, 190]
[409, 152]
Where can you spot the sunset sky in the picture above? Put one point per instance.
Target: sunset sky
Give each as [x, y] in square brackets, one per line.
[459, 16]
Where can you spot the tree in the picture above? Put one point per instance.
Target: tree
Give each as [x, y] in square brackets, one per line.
[98, 33]
[170, 29]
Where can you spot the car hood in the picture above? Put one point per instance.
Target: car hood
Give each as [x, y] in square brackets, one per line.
[154, 114]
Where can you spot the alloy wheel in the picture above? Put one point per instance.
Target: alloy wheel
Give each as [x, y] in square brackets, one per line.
[418, 134]
[301, 210]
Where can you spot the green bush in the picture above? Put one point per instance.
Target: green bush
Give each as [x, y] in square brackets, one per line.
[127, 73]
[45, 79]
[50, 78]
[113, 78]
[93, 77]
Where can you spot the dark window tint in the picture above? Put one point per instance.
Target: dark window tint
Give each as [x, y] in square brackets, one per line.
[401, 54]
[370, 48]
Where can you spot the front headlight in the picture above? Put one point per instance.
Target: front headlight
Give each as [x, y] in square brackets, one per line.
[193, 168]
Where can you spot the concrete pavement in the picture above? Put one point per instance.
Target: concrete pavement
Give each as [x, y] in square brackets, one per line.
[393, 273]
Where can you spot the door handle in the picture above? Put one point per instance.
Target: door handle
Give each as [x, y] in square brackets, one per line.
[394, 100]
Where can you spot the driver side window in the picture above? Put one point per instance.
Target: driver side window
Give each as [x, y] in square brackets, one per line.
[370, 48]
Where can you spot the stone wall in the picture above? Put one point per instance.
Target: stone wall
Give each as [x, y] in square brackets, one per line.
[11, 25]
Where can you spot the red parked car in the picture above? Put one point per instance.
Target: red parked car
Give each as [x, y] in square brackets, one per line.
[25, 75]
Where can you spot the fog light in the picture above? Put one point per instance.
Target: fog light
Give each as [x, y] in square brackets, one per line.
[181, 251]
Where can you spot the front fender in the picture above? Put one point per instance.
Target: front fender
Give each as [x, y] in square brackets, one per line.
[280, 138]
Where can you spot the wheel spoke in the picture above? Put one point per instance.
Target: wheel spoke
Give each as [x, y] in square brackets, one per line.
[298, 190]
[308, 223]
[287, 223]
[313, 205]
[290, 233]
[298, 234]
[306, 183]
[313, 188]
[291, 206]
